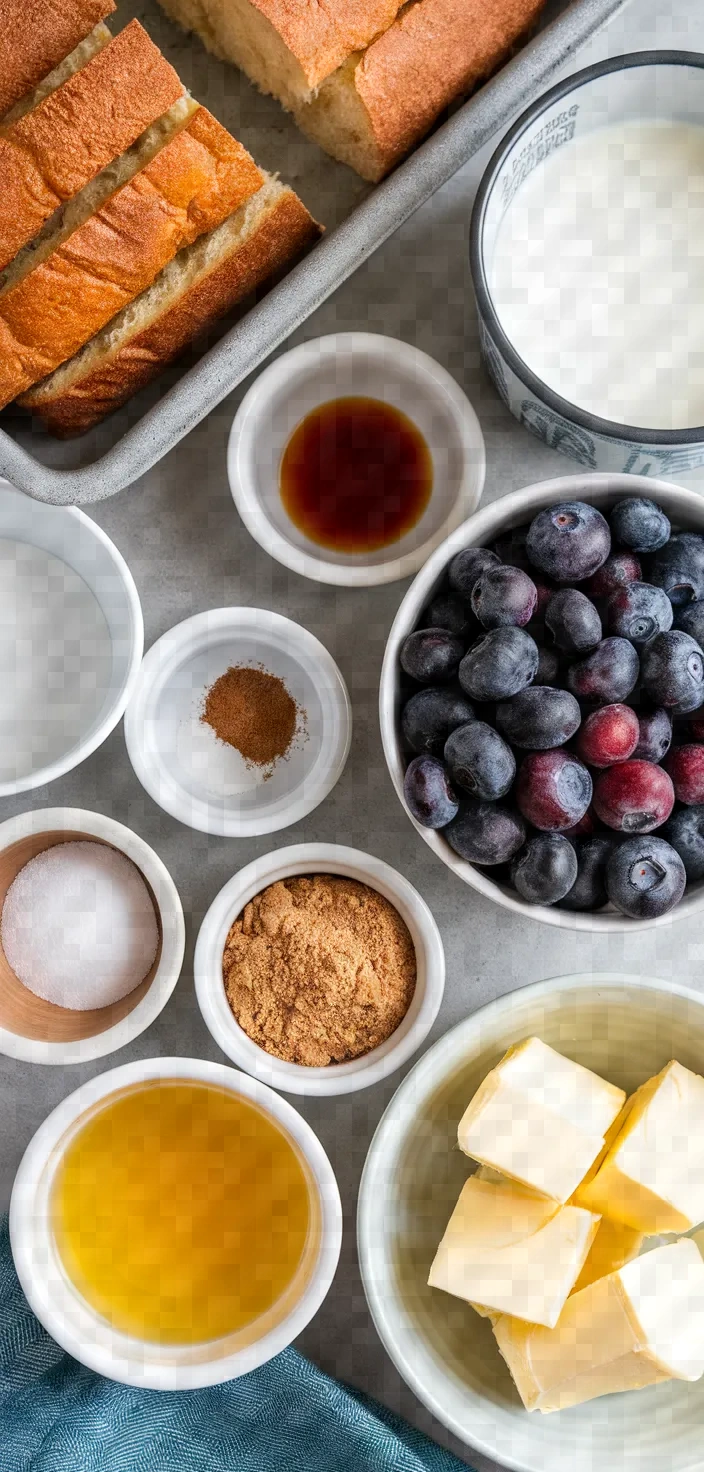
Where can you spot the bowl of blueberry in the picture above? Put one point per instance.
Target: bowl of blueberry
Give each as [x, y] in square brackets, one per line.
[542, 701]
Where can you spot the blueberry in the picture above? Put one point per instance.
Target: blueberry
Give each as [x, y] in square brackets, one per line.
[678, 568]
[545, 870]
[553, 790]
[486, 833]
[638, 612]
[539, 717]
[466, 567]
[685, 831]
[619, 568]
[569, 541]
[672, 667]
[608, 675]
[639, 525]
[645, 877]
[548, 667]
[654, 736]
[447, 611]
[479, 761]
[503, 597]
[431, 715]
[573, 621]
[589, 889]
[690, 620]
[430, 655]
[499, 664]
[429, 796]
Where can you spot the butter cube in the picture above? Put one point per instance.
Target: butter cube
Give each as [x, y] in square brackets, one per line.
[642, 1324]
[613, 1246]
[652, 1175]
[509, 1250]
[540, 1119]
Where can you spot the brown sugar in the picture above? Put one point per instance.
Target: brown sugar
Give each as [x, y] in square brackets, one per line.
[319, 969]
[252, 710]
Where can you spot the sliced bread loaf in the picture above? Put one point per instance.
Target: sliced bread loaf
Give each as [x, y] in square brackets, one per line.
[36, 35]
[372, 111]
[286, 47]
[202, 283]
[50, 153]
[191, 186]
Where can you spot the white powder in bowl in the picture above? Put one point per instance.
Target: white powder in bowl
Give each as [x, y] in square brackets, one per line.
[78, 926]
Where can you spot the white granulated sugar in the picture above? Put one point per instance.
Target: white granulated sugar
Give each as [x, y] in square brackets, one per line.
[55, 659]
[78, 926]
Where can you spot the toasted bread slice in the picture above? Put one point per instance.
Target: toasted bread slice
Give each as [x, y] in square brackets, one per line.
[35, 38]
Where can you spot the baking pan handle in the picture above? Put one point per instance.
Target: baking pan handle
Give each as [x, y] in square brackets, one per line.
[269, 323]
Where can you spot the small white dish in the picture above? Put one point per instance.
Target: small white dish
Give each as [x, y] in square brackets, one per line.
[349, 364]
[336, 1078]
[625, 1028]
[55, 711]
[204, 782]
[39, 1032]
[78, 1328]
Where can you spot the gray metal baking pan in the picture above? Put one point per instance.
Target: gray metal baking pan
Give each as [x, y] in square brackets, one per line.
[358, 217]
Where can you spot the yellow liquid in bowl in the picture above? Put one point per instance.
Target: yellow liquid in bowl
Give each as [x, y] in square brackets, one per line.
[181, 1212]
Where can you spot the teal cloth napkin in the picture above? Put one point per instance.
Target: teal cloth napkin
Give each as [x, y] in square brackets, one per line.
[56, 1416]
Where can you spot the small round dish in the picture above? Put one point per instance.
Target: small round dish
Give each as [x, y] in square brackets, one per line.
[337, 1078]
[84, 1333]
[204, 782]
[40, 1032]
[54, 712]
[371, 366]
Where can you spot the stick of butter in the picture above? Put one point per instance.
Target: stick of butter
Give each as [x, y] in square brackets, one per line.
[511, 1251]
[642, 1324]
[652, 1175]
[540, 1119]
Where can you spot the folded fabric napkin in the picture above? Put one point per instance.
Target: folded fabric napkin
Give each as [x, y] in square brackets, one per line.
[56, 1416]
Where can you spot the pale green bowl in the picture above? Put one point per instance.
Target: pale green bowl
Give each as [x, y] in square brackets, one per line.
[625, 1028]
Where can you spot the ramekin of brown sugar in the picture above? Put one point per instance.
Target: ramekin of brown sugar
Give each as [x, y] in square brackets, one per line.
[400, 909]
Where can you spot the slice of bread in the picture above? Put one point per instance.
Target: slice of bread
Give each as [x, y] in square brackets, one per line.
[203, 282]
[36, 35]
[84, 52]
[191, 186]
[50, 153]
[372, 111]
[286, 47]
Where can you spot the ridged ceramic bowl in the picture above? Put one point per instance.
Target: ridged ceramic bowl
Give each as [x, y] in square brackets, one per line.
[625, 1028]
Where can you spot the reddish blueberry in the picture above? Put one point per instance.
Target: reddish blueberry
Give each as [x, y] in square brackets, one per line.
[584, 828]
[638, 612]
[672, 667]
[685, 831]
[503, 597]
[447, 611]
[466, 567]
[608, 735]
[545, 869]
[619, 568]
[678, 568]
[634, 797]
[569, 541]
[608, 675]
[479, 761]
[553, 790]
[431, 655]
[685, 765]
[544, 593]
[539, 718]
[645, 877]
[428, 793]
[431, 715]
[696, 728]
[499, 664]
[486, 832]
[589, 889]
[639, 524]
[654, 737]
[573, 621]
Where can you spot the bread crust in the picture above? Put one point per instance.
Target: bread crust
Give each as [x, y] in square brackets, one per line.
[196, 180]
[50, 153]
[35, 35]
[321, 34]
[284, 230]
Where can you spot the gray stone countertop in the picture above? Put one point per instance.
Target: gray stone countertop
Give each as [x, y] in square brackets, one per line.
[181, 536]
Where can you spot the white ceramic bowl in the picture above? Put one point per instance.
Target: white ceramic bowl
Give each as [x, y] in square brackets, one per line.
[200, 780]
[76, 719]
[625, 1028]
[349, 364]
[83, 1332]
[685, 509]
[336, 1078]
[663, 86]
[39, 1032]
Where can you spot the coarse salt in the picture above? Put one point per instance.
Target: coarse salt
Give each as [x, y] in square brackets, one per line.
[78, 925]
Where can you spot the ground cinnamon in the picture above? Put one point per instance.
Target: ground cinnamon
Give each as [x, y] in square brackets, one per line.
[252, 710]
[319, 969]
